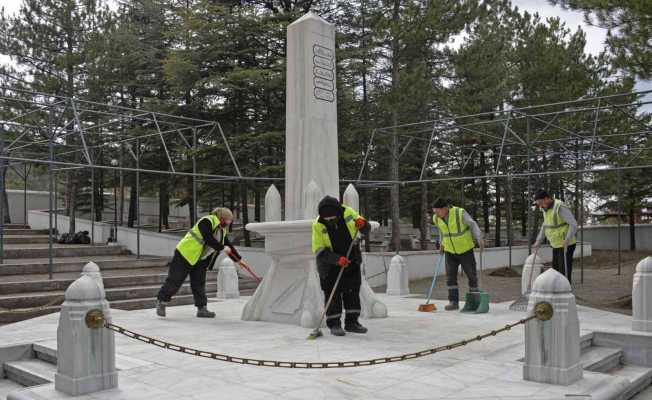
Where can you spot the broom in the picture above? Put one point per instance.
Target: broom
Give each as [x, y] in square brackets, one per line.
[431, 307]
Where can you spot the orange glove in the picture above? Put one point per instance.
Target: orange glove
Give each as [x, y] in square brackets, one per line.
[343, 262]
[359, 222]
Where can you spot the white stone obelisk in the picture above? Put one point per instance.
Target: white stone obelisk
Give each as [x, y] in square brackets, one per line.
[311, 152]
[290, 291]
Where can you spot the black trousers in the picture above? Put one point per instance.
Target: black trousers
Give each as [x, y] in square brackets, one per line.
[179, 270]
[558, 261]
[467, 261]
[347, 293]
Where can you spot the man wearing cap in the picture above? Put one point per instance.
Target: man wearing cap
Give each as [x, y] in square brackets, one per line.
[559, 227]
[194, 255]
[333, 231]
[457, 230]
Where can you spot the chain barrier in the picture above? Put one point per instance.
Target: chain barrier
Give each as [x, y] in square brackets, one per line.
[94, 319]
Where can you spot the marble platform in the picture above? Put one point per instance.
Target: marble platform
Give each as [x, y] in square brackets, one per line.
[486, 370]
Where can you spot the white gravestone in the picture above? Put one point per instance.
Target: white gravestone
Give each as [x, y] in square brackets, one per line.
[86, 357]
[397, 277]
[642, 296]
[290, 291]
[227, 280]
[531, 270]
[552, 348]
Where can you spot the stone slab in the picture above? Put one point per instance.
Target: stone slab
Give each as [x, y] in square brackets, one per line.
[486, 370]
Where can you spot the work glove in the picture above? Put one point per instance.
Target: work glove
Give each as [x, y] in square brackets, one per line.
[360, 222]
[343, 262]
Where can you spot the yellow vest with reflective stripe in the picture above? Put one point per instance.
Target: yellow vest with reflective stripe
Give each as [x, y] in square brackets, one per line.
[192, 246]
[456, 235]
[320, 238]
[555, 227]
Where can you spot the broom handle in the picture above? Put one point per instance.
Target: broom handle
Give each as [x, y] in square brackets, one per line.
[434, 277]
[337, 282]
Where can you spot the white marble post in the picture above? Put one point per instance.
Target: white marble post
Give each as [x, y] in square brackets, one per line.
[311, 152]
[531, 270]
[227, 280]
[351, 197]
[273, 204]
[642, 296]
[398, 283]
[85, 357]
[552, 348]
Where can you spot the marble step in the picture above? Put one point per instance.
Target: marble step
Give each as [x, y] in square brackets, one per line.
[111, 279]
[7, 386]
[24, 239]
[30, 372]
[27, 266]
[640, 378]
[25, 231]
[60, 250]
[45, 352]
[601, 359]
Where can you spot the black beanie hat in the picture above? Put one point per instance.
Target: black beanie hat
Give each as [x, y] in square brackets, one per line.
[440, 203]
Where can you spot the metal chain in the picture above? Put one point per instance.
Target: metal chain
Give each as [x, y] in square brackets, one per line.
[308, 365]
[55, 302]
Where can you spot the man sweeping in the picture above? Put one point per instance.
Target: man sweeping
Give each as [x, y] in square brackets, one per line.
[194, 255]
[457, 230]
[559, 227]
[333, 233]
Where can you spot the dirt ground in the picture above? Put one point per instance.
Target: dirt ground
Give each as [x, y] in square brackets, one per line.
[602, 287]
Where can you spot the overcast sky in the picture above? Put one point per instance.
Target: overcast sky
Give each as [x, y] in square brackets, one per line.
[595, 37]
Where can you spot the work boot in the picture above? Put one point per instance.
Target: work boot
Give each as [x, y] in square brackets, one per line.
[202, 312]
[453, 305]
[355, 327]
[336, 330]
[160, 308]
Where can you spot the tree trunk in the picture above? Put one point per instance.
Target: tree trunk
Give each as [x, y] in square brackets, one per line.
[485, 193]
[5, 199]
[132, 206]
[257, 203]
[424, 216]
[498, 211]
[394, 193]
[245, 213]
[163, 206]
[632, 227]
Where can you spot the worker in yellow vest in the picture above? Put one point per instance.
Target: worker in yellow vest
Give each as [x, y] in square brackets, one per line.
[333, 231]
[456, 231]
[193, 256]
[559, 227]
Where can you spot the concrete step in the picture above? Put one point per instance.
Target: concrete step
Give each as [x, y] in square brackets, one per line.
[45, 352]
[112, 279]
[36, 299]
[30, 372]
[640, 378]
[24, 231]
[19, 266]
[12, 251]
[7, 386]
[601, 359]
[16, 226]
[24, 239]
[586, 341]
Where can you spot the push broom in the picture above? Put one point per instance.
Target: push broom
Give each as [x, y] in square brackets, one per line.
[431, 307]
[317, 331]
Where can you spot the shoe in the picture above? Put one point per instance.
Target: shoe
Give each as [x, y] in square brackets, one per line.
[160, 308]
[337, 330]
[202, 312]
[452, 306]
[355, 327]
